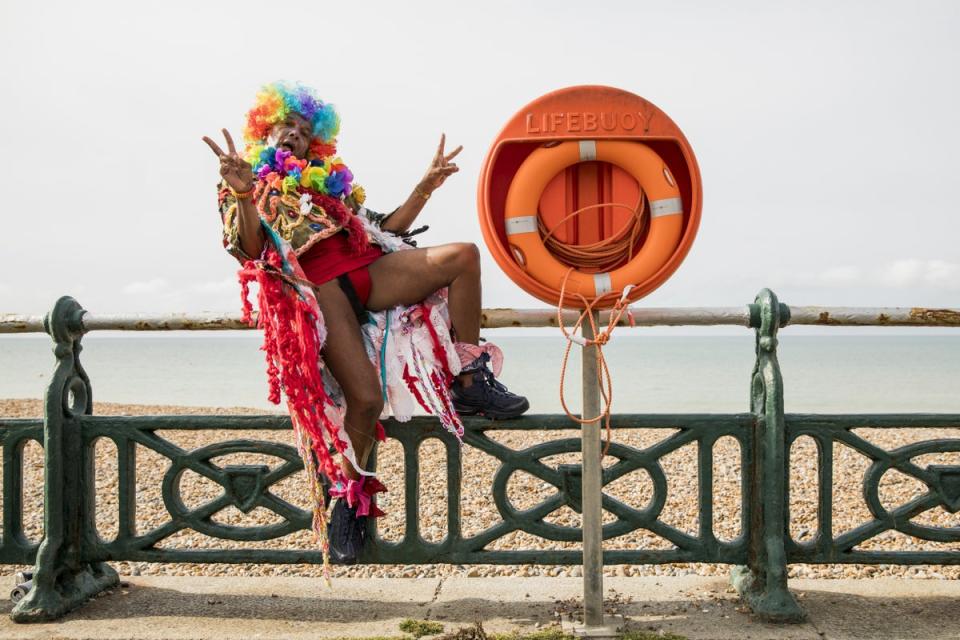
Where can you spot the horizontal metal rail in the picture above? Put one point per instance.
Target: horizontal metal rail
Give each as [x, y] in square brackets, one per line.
[745, 316]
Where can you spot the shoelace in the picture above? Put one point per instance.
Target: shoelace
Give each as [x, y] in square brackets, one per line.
[488, 377]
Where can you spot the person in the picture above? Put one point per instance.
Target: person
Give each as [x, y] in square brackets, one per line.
[290, 190]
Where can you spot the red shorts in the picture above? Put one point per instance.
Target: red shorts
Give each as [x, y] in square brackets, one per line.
[332, 257]
[360, 280]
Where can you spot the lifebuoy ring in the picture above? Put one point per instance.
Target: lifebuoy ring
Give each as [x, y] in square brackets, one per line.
[637, 159]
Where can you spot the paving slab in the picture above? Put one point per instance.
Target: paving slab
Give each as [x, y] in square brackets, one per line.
[693, 606]
[231, 608]
[699, 608]
[882, 608]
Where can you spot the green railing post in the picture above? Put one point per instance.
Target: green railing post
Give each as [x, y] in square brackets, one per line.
[763, 582]
[62, 580]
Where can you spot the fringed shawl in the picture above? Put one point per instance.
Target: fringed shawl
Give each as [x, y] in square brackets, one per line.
[410, 347]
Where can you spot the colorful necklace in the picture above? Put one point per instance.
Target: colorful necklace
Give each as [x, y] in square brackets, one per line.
[328, 176]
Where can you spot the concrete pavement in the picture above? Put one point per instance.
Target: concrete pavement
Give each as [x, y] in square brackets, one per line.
[698, 608]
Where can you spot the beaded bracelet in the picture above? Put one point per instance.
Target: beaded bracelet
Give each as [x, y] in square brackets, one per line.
[241, 195]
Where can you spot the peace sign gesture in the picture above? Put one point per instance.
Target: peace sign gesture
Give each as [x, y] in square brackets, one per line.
[441, 167]
[233, 169]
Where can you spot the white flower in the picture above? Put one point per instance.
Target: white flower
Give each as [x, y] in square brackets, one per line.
[306, 203]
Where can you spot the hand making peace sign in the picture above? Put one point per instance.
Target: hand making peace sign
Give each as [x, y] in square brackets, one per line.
[441, 167]
[234, 169]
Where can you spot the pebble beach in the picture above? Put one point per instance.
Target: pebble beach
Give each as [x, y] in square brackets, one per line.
[477, 509]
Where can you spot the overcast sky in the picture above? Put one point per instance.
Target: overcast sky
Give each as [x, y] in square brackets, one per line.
[827, 134]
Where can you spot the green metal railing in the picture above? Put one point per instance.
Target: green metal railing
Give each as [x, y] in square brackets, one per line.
[71, 560]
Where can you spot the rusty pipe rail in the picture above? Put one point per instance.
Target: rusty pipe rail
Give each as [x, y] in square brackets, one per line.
[744, 316]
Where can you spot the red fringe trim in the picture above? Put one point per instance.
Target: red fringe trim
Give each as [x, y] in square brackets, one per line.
[291, 344]
[412, 385]
[438, 351]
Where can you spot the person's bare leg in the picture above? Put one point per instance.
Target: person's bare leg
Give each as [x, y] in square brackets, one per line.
[407, 277]
[344, 354]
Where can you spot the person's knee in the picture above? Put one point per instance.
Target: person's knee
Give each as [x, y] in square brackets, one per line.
[456, 259]
[367, 404]
[468, 257]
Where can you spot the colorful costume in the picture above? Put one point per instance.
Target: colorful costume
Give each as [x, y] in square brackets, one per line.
[301, 203]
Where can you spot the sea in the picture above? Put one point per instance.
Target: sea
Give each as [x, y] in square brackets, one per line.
[651, 373]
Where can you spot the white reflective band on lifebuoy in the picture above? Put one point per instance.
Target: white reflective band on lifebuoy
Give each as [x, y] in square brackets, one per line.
[522, 224]
[665, 207]
[602, 283]
[588, 150]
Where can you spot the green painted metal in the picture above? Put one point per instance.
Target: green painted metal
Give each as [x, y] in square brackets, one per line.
[15, 548]
[942, 482]
[63, 578]
[762, 582]
[71, 561]
[126, 431]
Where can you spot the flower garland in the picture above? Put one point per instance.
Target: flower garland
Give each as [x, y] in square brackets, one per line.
[328, 176]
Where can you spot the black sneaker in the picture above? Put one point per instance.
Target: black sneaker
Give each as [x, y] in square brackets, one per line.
[347, 532]
[486, 396]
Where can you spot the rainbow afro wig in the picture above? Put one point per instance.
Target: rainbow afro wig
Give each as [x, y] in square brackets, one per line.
[320, 171]
[277, 100]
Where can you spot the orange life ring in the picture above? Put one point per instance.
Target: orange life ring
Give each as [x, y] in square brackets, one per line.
[637, 159]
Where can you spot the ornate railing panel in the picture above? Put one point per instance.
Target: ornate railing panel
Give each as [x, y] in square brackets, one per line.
[248, 486]
[704, 430]
[15, 547]
[941, 481]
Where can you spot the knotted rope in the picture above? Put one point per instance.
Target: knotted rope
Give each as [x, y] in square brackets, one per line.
[597, 257]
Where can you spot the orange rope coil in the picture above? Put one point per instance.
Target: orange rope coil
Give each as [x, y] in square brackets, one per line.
[599, 256]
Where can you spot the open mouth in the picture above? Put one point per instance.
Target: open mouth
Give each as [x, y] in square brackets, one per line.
[286, 145]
